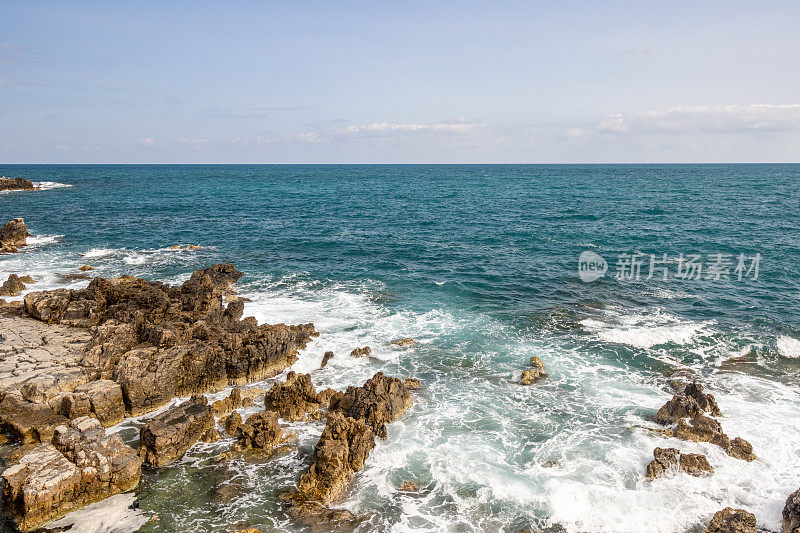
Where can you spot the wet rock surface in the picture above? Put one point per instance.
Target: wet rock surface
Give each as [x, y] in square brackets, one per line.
[16, 184]
[379, 401]
[167, 436]
[791, 513]
[730, 520]
[81, 466]
[361, 352]
[688, 403]
[327, 356]
[13, 286]
[295, 399]
[259, 432]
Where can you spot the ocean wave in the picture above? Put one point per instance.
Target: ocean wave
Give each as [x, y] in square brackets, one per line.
[645, 330]
[788, 346]
[41, 240]
[47, 185]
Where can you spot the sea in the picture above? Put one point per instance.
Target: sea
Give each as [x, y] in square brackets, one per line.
[621, 278]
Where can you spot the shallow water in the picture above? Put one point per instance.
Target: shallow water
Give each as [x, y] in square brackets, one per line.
[479, 265]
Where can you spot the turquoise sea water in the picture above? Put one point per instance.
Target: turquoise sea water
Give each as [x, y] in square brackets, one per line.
[480, 265]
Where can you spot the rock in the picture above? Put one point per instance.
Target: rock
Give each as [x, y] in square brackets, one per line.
[71, 405]
[741, 449]
[260, 432]
[83, 465]
[412, 384]
[537, 363]
[325, 358]
[688, 403]
[12, 286]
[343, 447]
[184, 247]
[225, 406]
[86, 268]
[12, 235]
[380, 401]
[16, 184]
[167, 436]
[106, 400]
[27, 280]
[406, 342]
[158, 342]
[791, 513]
[232, 423]
[529, 377]
[295, 399]
[28, 422]
[361, 352]
[318, 517]
[672, 461]
[731, 520]
[409, 486]
[701, 428]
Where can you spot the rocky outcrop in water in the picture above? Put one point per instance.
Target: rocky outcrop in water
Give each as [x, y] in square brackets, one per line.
[166, 437]
[730, 520]
[13, 235]
[529, 377]
[81, 466]
[260, 432]
[16, 184]
[159, 342]
[405, 342]
[295, 399]
[670, 461]
[237, 399]
[791, 513]
[361, 352]
[12, 286]
[327, 356]
[354, 419]
[686, 404]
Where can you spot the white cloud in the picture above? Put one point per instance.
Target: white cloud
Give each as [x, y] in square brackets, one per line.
[194, 143]
[147, 141]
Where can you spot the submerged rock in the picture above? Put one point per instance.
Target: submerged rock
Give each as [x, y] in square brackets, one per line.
[295, 399]
[730, 520]
[791, 513]
[405, 342]
[672, 461]
[409, 486]
[86, 268]
[412, 383]
[318, 517]
[83, 465]
[167, 436]
[12, 235]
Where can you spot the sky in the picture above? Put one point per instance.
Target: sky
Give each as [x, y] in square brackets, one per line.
[399, 82]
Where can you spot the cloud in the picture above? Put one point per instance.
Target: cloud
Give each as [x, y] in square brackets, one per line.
[147, 141]
[194, 143]
[387, 130]
[715, 119]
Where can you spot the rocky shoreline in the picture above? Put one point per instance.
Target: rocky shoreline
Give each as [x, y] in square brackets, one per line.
[16, 184]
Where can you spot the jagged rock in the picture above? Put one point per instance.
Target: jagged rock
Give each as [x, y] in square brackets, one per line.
[105, 398]
[12, 235]
[325, 358]
[672, 461]
[702, 428]
[731, 520]
[159, 342]
[260, 432]
[27, 280]
[412, 383]
[529, 377]
[409, 486]
[741, 449]
[232, 423]
[12, 286]
[343, 447]
[28, 422]
[83, 465]
[361, 352]
[295, 399]
[167, 436]
[380, 401]
[233, 401]
[403, 343]
[16, 184]
[791, 513]
[86, 268]
[688, 403]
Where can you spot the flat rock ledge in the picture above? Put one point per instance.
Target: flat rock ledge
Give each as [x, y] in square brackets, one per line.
[168, 436]
[81, 466]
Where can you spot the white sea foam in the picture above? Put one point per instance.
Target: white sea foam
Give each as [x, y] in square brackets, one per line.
[47, 185]
[645, 330]
[789, 346]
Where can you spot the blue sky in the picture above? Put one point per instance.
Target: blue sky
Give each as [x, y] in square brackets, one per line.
[405, 82]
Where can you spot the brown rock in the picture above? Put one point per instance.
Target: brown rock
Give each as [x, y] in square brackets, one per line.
[380, 401]
[406, 342]
[325, 358]
[687, 403]
[225, 406]
[12, 286]
[295, 399]
[12, 235]
[672, 461]
[232, 423]
[167, 436]
[409, 486]
[318, 517]
[16, 184]
[412, 383]
[529, 377]
[731, 520]
[86, 268]
[260, 432]
[537, 363]
[83, 465]
[27, 280]
[791, 513]
[361, 352]
[29, 422]
[106, 401]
